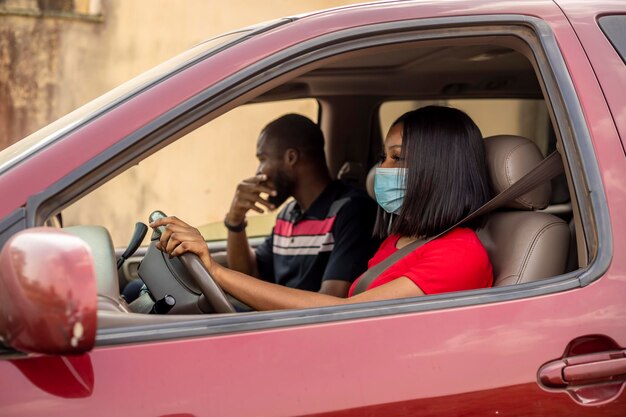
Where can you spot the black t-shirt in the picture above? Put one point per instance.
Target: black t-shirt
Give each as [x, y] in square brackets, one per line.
[331, 240]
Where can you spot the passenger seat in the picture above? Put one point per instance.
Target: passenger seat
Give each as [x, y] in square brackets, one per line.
[524, 245]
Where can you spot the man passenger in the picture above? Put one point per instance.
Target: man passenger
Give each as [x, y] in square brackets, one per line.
[322, 239]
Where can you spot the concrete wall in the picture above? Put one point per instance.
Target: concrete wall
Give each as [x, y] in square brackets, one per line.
[56, 55]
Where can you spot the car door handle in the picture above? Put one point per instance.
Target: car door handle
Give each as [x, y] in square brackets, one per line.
[584, 369]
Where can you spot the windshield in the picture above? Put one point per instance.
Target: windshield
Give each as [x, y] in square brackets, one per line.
[53, 131]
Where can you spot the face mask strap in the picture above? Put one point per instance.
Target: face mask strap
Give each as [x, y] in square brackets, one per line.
[390, 223]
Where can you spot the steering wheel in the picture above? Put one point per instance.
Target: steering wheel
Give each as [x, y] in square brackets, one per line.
[214, 294]
[196, 270]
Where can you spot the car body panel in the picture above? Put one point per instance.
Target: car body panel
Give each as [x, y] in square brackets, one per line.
[473, 360]
[287, 371]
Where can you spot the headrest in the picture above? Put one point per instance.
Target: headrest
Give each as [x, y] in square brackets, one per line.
[99, 241]
[352, 173]
[508, 159]
[369, 181]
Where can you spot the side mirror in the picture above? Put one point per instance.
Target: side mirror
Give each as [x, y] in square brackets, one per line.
[48, 297]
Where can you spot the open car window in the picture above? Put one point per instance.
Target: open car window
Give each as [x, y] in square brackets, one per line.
[195, 177]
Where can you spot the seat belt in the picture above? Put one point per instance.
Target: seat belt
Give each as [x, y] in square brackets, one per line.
[547, 169]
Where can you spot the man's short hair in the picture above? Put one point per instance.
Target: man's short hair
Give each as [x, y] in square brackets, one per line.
[297, 132]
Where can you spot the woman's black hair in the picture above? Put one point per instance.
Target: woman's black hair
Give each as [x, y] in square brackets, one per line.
[446, 176]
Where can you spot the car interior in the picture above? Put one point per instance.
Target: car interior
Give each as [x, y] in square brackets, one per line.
[357, 94]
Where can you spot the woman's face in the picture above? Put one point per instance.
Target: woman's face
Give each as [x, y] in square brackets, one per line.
[393, 148]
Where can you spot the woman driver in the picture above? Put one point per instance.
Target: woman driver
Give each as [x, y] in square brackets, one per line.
[432, 175]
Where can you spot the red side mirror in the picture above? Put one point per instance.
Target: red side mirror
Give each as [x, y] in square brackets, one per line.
[48, 297]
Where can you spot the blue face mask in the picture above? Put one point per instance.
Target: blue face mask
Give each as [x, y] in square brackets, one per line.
[390, 187]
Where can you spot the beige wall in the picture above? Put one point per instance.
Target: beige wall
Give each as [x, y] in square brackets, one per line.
[527, 118]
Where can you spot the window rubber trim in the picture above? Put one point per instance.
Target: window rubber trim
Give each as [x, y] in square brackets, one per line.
[14, 221]
[561, 97]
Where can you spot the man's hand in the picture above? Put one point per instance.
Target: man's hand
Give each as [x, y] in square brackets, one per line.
[247, 197]
[179, 237]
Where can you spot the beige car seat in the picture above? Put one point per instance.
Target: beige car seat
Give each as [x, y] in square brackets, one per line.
[524, 245]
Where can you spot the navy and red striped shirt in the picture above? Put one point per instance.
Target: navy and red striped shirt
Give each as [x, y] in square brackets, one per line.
[331, 240]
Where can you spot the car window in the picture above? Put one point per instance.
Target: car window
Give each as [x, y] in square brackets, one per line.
[203, 167]
[613, 28]
[524, 117]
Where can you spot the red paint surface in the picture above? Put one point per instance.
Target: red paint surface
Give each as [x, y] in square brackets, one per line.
[606, 62]
[61, 376]
[40, 302]
[465, 353]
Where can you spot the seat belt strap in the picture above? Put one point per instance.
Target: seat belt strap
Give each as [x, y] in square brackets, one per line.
[547, 169]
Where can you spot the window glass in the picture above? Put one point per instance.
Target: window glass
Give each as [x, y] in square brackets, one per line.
[614, 27]
[523, 117]
[193, 178]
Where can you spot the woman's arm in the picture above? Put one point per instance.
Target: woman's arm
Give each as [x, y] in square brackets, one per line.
[179, 238]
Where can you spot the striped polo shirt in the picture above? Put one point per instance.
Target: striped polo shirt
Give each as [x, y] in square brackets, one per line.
[331, 240]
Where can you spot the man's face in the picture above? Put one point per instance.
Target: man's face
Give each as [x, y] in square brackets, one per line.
[272, 164]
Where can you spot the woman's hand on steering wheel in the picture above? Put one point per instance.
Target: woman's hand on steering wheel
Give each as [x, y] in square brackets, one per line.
[179, 237]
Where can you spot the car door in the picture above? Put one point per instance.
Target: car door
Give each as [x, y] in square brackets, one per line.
[493, 351]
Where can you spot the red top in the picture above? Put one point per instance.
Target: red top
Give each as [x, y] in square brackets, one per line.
[455, 261]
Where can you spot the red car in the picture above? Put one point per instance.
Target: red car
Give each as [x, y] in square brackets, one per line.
[548, 339]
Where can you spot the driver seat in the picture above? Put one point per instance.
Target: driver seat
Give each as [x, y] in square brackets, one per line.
[524, 245]
[99, 241]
